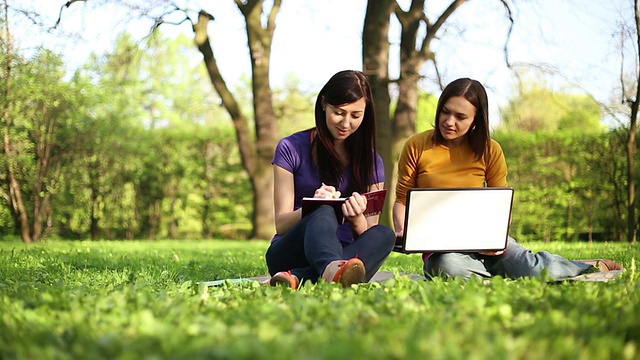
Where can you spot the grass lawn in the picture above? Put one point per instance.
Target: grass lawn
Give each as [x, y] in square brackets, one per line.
[142, 300]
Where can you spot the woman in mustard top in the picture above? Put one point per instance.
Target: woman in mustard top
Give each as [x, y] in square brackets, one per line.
[459, 152]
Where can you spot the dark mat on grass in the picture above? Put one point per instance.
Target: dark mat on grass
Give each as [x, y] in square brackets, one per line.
[597, 276]
[383, 276]
[380, 276]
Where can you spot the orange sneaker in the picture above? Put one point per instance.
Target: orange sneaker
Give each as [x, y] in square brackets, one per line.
[345, 272]
[285, 278]
[603, 264]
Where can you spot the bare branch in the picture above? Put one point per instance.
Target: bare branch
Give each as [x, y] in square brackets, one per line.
[432, 30]
[438, 76]
[623, 96]
[160, 19]
[445, 15]
[553, 70]
[395, 9]
[66, 5]
[511, 24]
[5, 196]
[271, 24]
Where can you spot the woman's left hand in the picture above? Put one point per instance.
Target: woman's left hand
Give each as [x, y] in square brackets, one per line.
[492, 253]
[355, 206]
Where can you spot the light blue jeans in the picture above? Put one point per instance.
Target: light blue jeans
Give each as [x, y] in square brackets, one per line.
[516, 262]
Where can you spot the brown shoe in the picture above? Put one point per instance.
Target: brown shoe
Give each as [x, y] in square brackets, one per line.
[603, 264]
[285, 278]
[345, 272]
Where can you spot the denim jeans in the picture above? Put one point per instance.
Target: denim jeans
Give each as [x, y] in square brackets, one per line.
[308, 247]
[516, 262]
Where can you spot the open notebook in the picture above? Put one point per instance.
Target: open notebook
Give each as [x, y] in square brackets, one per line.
[456, 220]
[375, 203]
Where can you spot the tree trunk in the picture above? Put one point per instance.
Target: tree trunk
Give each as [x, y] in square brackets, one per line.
[209, 192]
[631, 139]
[266, 126]
[631, 182]
[567, 227]
[256, 157]
[375, 55]
[44, 138]
[414, 54]
[15, 192]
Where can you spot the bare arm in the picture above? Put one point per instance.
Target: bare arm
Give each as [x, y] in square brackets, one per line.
[398, 218]
[283, 200]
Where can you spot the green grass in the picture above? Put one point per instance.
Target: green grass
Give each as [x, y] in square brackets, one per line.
[141, 300]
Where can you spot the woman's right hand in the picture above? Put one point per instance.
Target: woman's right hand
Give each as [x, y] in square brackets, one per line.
[326, 192]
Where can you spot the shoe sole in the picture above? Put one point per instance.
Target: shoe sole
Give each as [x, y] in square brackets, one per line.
[352, 272]
[281, 281]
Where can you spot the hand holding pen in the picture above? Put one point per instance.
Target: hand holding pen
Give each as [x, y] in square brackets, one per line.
[326, 192]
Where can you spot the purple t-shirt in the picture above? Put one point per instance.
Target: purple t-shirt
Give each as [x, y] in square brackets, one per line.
[293, 154]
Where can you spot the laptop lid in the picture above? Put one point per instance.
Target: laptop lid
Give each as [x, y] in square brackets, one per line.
[456, 219]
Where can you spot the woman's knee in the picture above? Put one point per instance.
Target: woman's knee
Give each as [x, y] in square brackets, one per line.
[450, 265]
[323, 210]
[386, 235]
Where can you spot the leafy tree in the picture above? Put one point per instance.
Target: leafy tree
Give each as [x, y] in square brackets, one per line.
[40, 113]
[537, 108]
[155, 153]
[294, 108]
[630, 95]
[426, 111]
[256, 145]
[568, 185]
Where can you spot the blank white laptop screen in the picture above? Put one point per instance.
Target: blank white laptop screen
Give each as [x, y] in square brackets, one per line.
[456, 220]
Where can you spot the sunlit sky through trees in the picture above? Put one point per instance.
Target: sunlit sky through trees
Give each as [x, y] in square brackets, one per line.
[576, 41]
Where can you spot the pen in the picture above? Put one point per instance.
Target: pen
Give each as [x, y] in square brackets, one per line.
[333, 196]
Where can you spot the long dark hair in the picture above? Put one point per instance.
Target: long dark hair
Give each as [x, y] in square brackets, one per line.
[342, 88]
[474, 92]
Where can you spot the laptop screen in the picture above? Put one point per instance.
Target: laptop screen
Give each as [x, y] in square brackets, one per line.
[457, 220]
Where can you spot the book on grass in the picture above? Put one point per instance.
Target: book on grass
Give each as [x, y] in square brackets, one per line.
[375, 202]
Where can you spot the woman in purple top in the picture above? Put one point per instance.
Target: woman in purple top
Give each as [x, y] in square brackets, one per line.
[335, 157]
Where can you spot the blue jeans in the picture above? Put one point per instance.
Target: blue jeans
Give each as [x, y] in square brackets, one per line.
[516, 262]
[308, 247]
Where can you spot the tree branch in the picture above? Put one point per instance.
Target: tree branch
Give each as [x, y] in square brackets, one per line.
[271, 24]
[511, 24]
[432, 30]
[66, 5]
[159, 20]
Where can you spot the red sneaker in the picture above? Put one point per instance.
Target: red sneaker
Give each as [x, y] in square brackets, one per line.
[285, 278]
[345, 272]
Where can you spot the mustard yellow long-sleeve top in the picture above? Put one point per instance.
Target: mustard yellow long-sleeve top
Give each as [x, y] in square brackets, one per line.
[423, 165]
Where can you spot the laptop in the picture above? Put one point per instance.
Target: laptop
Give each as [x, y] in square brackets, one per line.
[456, 220]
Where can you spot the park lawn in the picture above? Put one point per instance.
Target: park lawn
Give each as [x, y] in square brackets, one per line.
[142, 300]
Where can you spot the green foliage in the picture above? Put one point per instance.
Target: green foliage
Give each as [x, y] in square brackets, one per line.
[141, 300]
[568, 185]
[427, 104]
[42, 117]
[143, 149]
[159, 154]
[537, 108]
[294, 108]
